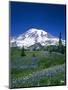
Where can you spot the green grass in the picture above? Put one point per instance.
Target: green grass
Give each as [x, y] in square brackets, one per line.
[58, 79]
[44, 60]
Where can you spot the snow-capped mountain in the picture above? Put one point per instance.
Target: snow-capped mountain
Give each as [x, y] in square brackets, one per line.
[33, 36]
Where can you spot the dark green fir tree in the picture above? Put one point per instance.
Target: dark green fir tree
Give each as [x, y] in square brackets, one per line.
[23, 52]
[60, 47]
[60, 42]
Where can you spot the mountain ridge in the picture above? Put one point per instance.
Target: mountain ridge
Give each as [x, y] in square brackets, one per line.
[32, 36]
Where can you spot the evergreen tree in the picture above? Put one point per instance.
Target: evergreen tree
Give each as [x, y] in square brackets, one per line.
[60, 47]
[33, 55]
[60, 42]
[23, 52]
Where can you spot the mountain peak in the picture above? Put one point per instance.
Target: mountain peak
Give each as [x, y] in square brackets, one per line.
[33, 36]
[37, 30]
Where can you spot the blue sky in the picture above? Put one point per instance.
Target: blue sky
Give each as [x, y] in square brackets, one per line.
[48, 17]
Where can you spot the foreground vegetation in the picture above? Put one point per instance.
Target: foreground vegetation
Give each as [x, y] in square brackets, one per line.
[34, 62]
